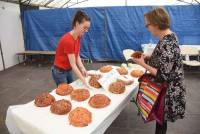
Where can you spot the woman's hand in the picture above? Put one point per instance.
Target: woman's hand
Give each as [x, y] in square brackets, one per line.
[84, 72]
[146, 56]
[140, 60]
[85, 83]
[81, 67]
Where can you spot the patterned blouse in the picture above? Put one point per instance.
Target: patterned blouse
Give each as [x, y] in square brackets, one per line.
[168, 61]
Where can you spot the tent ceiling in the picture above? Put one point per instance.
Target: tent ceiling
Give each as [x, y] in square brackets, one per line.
[85, 3]
[48, 3]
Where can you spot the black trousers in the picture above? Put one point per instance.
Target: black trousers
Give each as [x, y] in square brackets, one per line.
[161, 129]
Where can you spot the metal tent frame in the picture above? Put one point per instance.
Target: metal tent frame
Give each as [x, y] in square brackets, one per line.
[48, 3]
[69, 3]
[190, 1]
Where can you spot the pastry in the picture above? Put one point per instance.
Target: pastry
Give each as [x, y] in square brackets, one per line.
[122, 71]
[44, 99]
[117, 87]
[136, 54]
[99, 101]
[105, 69]
[137, 73]
[80, 117]
[64, 89]
[80, 94]
[94, 81]
[61, 107]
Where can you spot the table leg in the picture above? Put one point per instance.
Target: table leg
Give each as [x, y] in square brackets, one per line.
[18, 59]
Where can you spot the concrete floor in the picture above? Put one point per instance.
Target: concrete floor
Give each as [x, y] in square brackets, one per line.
[20, 84]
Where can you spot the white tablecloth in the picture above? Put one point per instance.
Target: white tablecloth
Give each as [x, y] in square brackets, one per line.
[29, 119]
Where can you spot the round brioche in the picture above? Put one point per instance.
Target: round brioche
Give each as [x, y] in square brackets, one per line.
[99, 101]
[44, 99]
[122, 71]
[80, 95]
[64, 89]
[136, 54]
[61, 107]
[117, 87]
[94, 81]
[137, 73]
[105, 69]
[80, 117]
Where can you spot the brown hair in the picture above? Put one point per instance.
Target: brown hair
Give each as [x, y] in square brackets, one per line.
[79, 17]
[158, 17]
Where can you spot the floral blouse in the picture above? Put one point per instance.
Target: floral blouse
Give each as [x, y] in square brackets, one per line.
[167, 60]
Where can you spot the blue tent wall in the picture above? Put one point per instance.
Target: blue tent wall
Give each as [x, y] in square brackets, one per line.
[112, 29]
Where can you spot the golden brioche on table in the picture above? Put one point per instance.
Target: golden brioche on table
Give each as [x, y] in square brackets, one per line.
[80, 94]
[117, 87]
[99, 101]
[80, 117]
[106, 69]
[64, 89]
[44, 99]
[61, 107]
[94, 81]
[122, 71]
[137, 73]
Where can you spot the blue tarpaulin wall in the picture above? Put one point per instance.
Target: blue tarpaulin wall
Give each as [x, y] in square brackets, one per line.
[112, 29]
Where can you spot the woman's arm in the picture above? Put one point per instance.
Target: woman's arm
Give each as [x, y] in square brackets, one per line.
[166, 61]
[81, 66]
[149, 68]
[146, 56]
[76, 70]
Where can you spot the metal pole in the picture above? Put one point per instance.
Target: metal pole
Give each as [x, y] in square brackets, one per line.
[126, 2]
[197, 1]
[65, 3]
[2, 57]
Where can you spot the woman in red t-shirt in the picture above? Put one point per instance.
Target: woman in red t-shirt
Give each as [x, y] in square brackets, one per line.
[67, 58]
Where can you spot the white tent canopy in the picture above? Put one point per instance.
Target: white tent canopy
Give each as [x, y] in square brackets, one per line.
[100, 3]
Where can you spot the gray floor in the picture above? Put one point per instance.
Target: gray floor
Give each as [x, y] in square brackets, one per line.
[20, 84]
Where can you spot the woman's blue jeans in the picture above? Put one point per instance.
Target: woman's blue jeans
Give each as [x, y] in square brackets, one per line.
[62, 76]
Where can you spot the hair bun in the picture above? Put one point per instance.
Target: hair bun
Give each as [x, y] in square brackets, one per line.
[79, 17]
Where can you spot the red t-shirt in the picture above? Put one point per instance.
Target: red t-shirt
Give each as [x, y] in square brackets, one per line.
[66, 45]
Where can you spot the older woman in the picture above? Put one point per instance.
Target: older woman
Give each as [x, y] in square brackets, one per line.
[165, 64]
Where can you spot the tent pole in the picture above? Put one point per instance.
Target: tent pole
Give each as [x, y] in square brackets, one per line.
[4, 68]
[126, 2]
[197, 1]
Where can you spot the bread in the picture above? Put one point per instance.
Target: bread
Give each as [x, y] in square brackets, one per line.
[105, 69]
[44, 99]
[136, 54]
[80, 117]
[122, 71]
[117, 87]
[99, 101]
[61, 107]
[64, 89]
[94, 81]
[80, 95]
[137, 73]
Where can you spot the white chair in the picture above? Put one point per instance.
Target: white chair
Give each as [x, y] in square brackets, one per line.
[188, 51]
